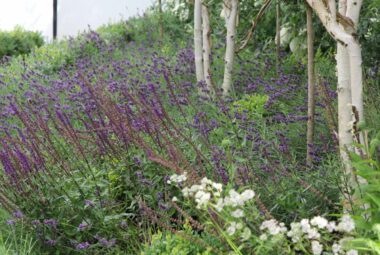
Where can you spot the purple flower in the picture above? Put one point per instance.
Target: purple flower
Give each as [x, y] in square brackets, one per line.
[10, 222]
[107, 243]
[123, 224]
[88, 202]
[83, 226]
[18, 214]
[82, 246]
[36, 222]
[51, 222]
[51, 242]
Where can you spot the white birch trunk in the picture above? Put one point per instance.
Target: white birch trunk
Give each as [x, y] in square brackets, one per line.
[311, 85]
[206, 48]
[230, 11]
[344, 106]
[353, 12]
[344, 99]
[349, 69]
[198, 40]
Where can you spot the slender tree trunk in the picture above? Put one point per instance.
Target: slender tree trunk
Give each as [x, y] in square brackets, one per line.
[161, 20]
[311, 85]
[198, 40]
[230, 11]
[353, 12]
[55, 18]
[278, 36]
[344, 99]
[342, 27]
[206, 48]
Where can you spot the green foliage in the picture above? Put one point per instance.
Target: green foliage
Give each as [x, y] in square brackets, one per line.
[116, 33]
[367, 208]
[19, 42]
[252, 104]
[369, 32]
[16, 238]
[180, 243]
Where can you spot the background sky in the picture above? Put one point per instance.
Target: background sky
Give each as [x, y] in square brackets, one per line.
[73, 15]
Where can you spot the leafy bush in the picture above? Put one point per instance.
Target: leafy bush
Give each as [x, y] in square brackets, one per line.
[181, 243]
[367, 208]
[235, 219]
[19, 42]
[252, 104]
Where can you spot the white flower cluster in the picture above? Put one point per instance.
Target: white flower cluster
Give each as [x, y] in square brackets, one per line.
[234, 199]
[208, 191]
[309, 229]
[177, 178]
[209, 194]
[204, 192]
[273, 227]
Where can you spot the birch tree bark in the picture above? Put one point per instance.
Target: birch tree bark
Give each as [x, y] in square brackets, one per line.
[355, 54]
[311, 85]
[206, 48]
[230, 11]
[198, 40]
[344, 99]
[342, 27]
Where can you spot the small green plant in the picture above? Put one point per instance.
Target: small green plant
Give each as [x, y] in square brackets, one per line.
[252, 104]
[167, 243]
[19, 42]
[367, 212]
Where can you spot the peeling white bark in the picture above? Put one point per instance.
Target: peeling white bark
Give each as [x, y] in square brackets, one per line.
[342, 28]
[206, 47]
[344, 99]
[355, 53]
[230, 11]
[198, 40]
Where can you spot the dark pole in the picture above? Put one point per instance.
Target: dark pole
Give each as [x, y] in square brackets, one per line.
[55, 4]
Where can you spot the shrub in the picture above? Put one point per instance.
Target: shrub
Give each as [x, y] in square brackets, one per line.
[19, 42]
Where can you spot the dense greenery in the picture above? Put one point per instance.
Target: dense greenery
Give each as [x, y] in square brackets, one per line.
[94, 129]
[19, 42]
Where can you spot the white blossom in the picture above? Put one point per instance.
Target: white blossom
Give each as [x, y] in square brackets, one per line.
[217, 186]
[247, 194]
[175, 178]
[186, 192]
[336, 248]
[352, 252]
[319, 221]
[219, 205]
[238, 213]
[313, 234]
[174, 199]
[233, 227]
[202, 198]
[331, 226]
[346, 224]
[305, 225]
[234, 199]
[263, 237]
[316, 248]
[273, 227]
[246, 234]
[295, 232]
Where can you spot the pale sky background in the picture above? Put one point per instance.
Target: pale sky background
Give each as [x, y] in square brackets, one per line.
[73, 15]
